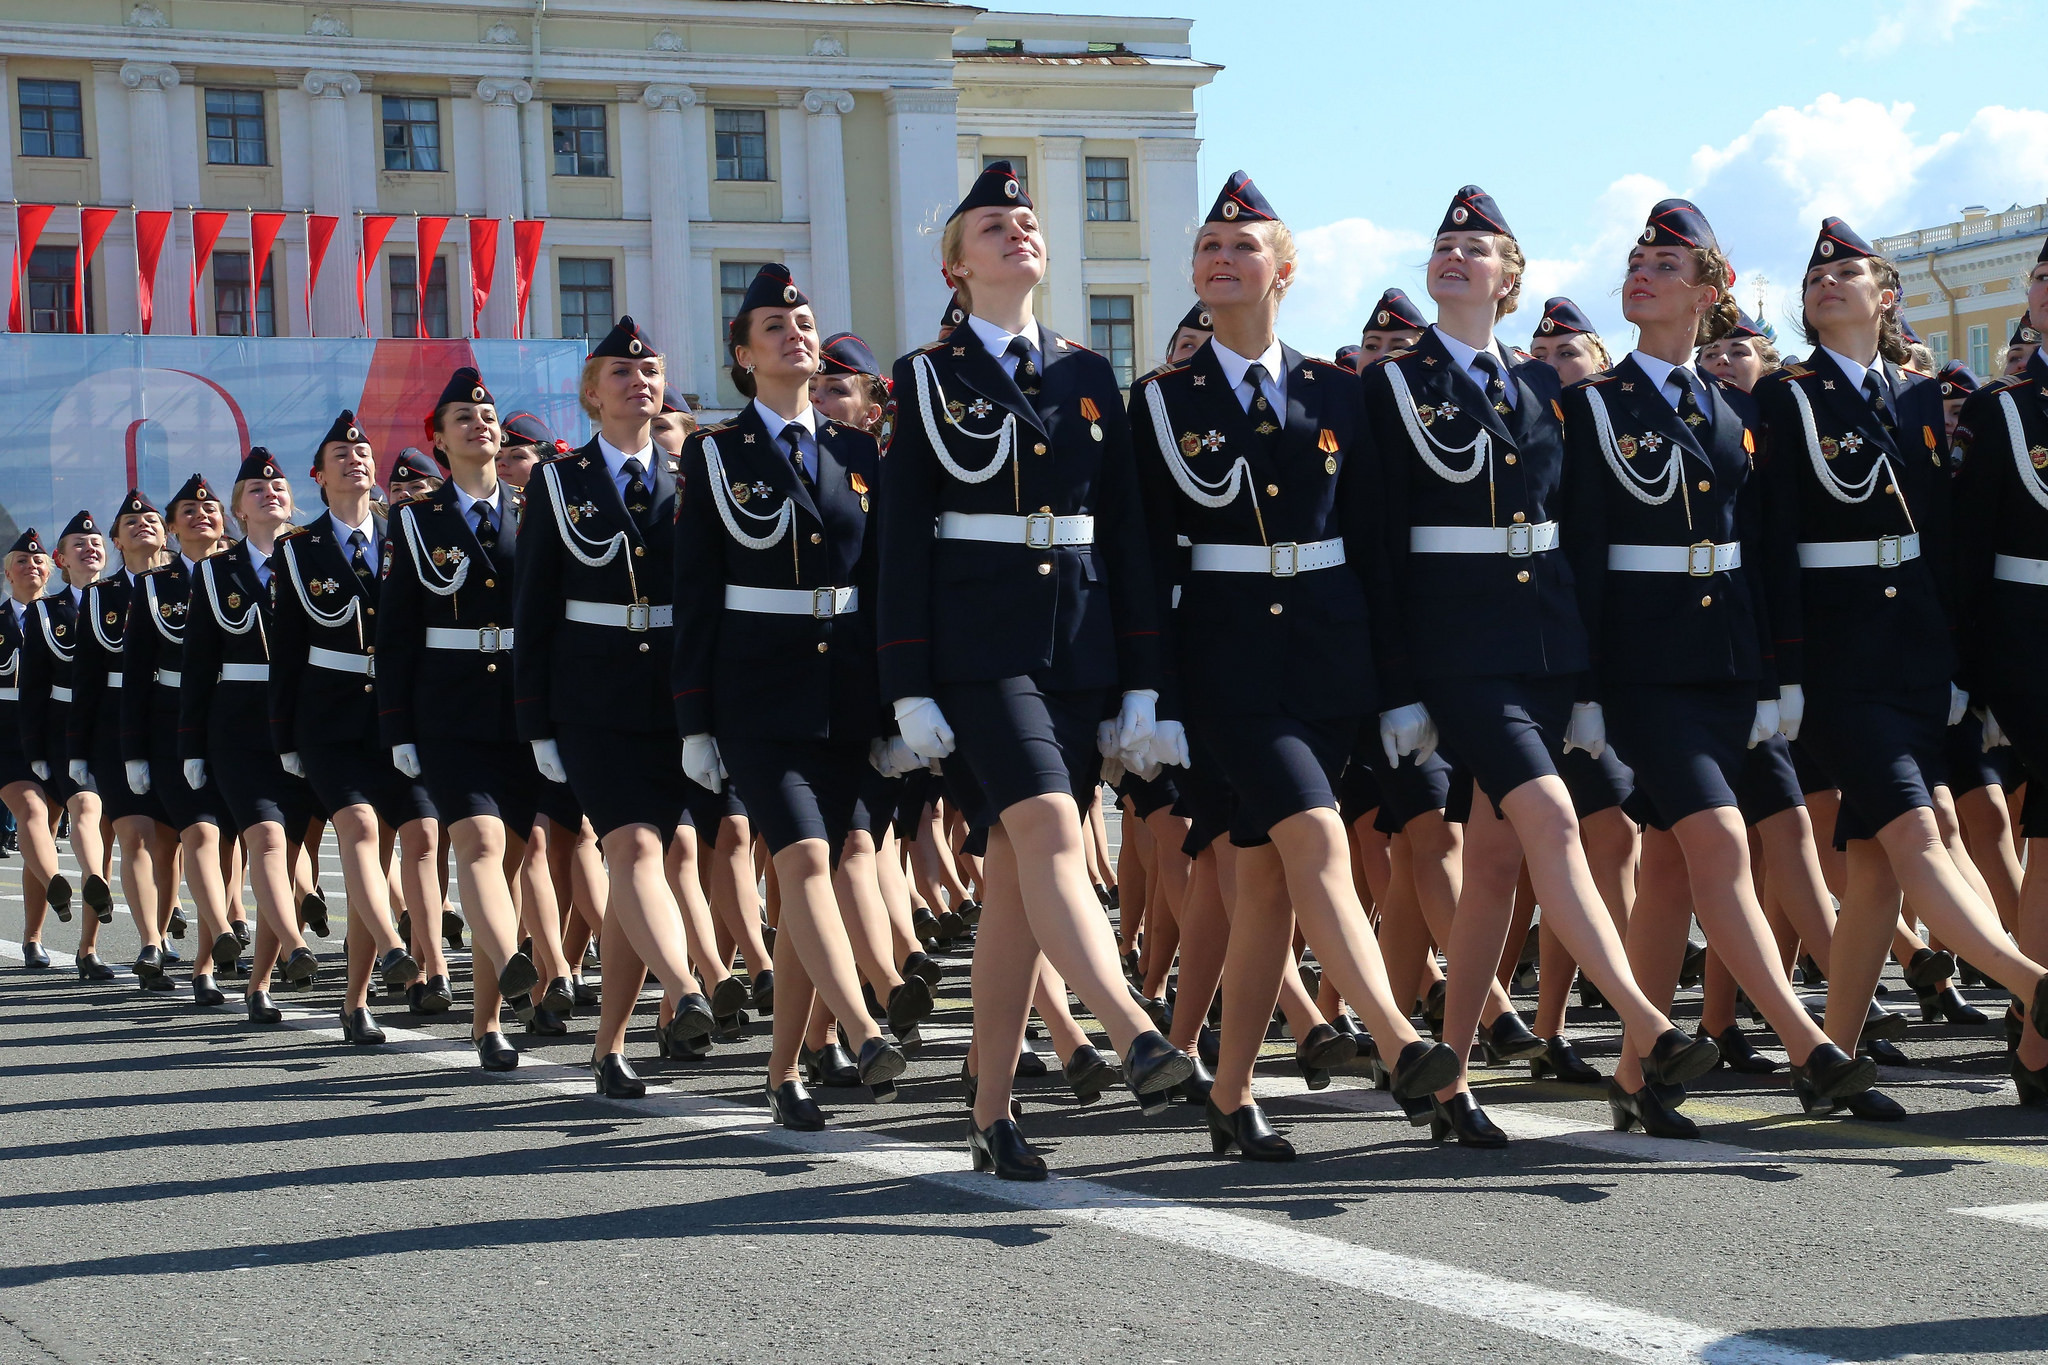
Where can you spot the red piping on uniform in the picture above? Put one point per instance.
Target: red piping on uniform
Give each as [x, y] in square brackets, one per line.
[893, 643]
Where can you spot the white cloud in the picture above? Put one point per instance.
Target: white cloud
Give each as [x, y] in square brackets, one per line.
[1916, 21]
[1341, 269]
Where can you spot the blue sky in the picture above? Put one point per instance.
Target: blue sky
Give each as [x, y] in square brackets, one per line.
[1359, 120]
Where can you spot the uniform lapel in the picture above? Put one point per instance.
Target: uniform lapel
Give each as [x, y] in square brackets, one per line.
[1234, 423]
[1453, 383]
[1848, 405]
[981, 372]
[772, 456]
[1298, 428]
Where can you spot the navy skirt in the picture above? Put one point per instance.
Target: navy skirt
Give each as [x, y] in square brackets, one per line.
[110, 778]
[2024, 718]
[1685, 745]
[257, 788]
[1207, 801]
[468, 778]
[1504, 731]
[874, 809]
[184, 806]
[625, 777]
[359, 773]
[1278, 766]
[1888, 752]
[1147, 798]
[1769, 782]
[797, 789]
[1016, 740]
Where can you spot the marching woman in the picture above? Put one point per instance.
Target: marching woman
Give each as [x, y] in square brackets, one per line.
[48, 675]
[774, 658]
[1740, 356]
[1661, 503]
[1251, 453]
[1009, 620]
[592, 697]
[323, 716]
[224, 722]
[1858, 570]
[2002, 606]
[1188, 337]
[28, 573]
[1485, 623]
[1396, 325]
[149, 846]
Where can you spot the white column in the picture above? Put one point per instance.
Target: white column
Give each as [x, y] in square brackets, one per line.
[327, 94]
[1169, 205]
[7, 142]
[501, 99]
[538, 156]
[792, 155]
[924, 149]
[970, 160]
[668, 212]
[1058, 193]
[831, 282]
[150, 183]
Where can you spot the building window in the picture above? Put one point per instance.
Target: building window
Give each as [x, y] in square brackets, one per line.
[1980, 350]
[742, 143]
[403, 272]
[234, 128]
[579, 140]
[586, 297]
[231, 296]
[1937, 342]
[52, 274]
[52, 119]
[1021, 165]
[1113, 332]
[412, 134]
[1109, 189]
[733, 279]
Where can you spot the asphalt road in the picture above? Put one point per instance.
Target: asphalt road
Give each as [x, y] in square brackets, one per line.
[179, 1186]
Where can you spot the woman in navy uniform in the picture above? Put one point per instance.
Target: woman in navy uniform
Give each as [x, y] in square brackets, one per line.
[28, 572]
[48, 674]
[1740, 356]
[774, 661]
[1283, 563]
[1396, 325]
[444, 694]
[149, 846]
[2001, 518]
[1661, 518]
[1470, 450]
[323, 719]
[1194, 329]
[592, 697]
[1010, 618]
[1859, 577]
[224, 720]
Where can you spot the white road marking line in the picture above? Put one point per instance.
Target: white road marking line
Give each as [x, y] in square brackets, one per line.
[1566, 1316]
[2026, 1215]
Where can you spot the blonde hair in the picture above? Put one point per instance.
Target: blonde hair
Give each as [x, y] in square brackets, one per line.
[590, 367]
[952, 247]
[1511, 256]
[1279, 239]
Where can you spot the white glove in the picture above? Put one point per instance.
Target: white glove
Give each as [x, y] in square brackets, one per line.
[1994, 733]
[290, 763]
[1136, 719]
[80, 774]
[1766, 723]
[406, 758]
[138, 775]
[924, 728]
[548, 758]
[891, 757]
[1587, 729]
[195, 773]
[1958, 703]
[1407, 730]
[701, 763]
[1791, 709]
[1169, 745]
[41, 770]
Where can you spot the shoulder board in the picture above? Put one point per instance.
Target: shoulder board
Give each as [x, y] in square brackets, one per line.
[1520, 354]
[933, 346]
[160, 569]
[1795, 370]
[1384, 356]
[1069, 344]
[108, 581]
[1604, 377]
[720, 429]
[410, 500]
[2002, 383]
[294, 533]
[561, 456]
[1164, 370]
[1326, 364]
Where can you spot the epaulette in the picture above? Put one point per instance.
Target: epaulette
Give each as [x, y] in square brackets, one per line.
[1069, 344]
[1794, 370]
[1326, 364]
[718, 430]
[1592, 380]
[294, 533]
[161, 568]
[409, 500]
[1520, 354]
[933, 346]
[103, 582]
[2002, 383]
[559, 457]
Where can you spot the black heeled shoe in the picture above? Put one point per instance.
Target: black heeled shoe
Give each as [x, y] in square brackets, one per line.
[2031, 1083]
[1463, 1116]
[1881, 1023]
[1645, 1108]
[1562, 1060]
[542, 1022]
[1347, 1026]
[1088, 1074]
[1208, 1045]
[1677, 1058]
[451, 933]
[1249, 1132]
[1029, 1064]
[909, 1004]
[1152, 1067]
[691, 1021]
[1590, 997]
[494, 1051]
[971, 1085]
[2038, 1013]
[728, 998]
[1693, 969]
[358, 1029]
[559, 997]
[761, 994]
[58, 894]
[171, 954]
[1129, 961]
[313, 914]
[586, 994]
[1927, 969]
[244, 935]
[1155, 1010]
[34, 957]
[1433, 1008]
[926, 966]
[1947, 1006]
[925, 925]
[1321, 1049]
[616, 1079]
[1810, 973]
[830, 1066]
[1830, 1074]
[432, 996]
[205, 994]
[791, 1107]
[90, 968]
[1001, 1148]
[261, 1010]
[952, 927]
[397, 969]
[881, 1062]
[99, 897]
[149, 962]
[1423, 1068]
[301, 967]
[1195, 1089]
[1510, 1040]
[1872, 1105]
[518, 977]
[226, 953]
[1737, 1054]
[1884, 1053]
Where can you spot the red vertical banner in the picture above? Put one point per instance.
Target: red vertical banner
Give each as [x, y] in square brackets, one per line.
[29, 221]
[263, 230]
[92, 229]
[376, 227]
[319, 232]
[207, 225]
[483, 265]
[151, 226]
[429, 237]
[525, 256]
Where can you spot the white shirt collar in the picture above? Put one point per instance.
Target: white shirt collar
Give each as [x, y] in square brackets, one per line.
[464, 502]
[1235, 365]
[996, 339]
[191, 564]
[1463, 354]
[1660, 371]
[615, 459]
[1855, 370]
[343, 530]
[775, 422]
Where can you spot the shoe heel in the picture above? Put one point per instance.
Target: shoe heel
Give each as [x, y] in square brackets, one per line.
[982, 1161]
[1537, 1068]
[1623, 1119]
[1439, 1127]
[1221, 1140]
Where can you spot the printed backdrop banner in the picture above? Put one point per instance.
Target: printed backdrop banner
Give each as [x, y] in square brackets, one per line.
[82, 418]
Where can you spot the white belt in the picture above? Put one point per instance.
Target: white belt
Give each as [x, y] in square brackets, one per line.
[245, 672]
[482, 640]
[113, 679]
[1703, 560]
[822, 603]
[169, 677]
[2014, 569]
[1039, 530]
[342, 662]
[1518, 541]
[1886, 552]
[10, 694]
[1284, 560]
[62, 694]
[639, 616]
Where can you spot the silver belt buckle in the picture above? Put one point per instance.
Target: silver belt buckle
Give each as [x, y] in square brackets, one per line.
[1890, 552]
[1284, 560]
[1038, 530]
[1699, 559]
[824, 603]
[1521, 540]
[369, 665]
[639, 616]
[487, 640]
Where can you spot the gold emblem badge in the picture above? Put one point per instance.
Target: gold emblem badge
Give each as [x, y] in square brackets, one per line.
[2039, 455]
[1627, 446]
[740, 492]
[1265, 428]
[1425, 414]
[234, 603]
[1329, 464]
[956, 410]
[1190, 444]
[1830, 447]
[113, 618]
[440, 555]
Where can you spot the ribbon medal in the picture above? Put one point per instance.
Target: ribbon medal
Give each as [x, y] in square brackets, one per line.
[1092, 415]
[1326, 441]
[860, 486]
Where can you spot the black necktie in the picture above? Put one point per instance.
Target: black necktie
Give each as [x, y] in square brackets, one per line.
[261, 564]
[638, 498]
[793, 437]
[1689, 411]
[359, 558]
[1261, 410]
[1027, 373]
[486, 533]
[1880, 401]
[1496, 387]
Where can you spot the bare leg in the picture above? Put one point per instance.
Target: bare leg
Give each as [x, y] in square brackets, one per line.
[1204, 941]
[137, 835]
[859, 891]
[1005, 976]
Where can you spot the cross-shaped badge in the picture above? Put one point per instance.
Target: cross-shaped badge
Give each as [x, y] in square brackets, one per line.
[1201, 381]
[1446, 411]
[1828, 384]
[746, 438]
[1308, 373]
[959, 352]
[1651, 442]
[980, 407]
[1627, 387]
[1853, 442]
[1213, 442]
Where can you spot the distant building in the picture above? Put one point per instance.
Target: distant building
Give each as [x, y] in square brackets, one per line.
[1966, 282]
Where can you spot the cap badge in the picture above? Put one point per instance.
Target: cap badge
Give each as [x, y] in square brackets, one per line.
[1649, 234]
[1459, 215]
[1549, 325]
[1205, 319]
[1827, 249]
[1009, 189]
[1382, 318]
[789, 293]
[1230, 210]
[633, 347]
[354, 434]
